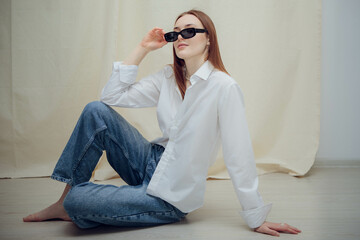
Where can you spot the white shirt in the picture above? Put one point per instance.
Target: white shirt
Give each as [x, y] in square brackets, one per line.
[211, 113]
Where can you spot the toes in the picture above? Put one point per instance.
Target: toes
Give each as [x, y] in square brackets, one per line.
[28, 218]
[31, 218]
[36, 218]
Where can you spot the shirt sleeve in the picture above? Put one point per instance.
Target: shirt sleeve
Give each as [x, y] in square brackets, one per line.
[239, 156]
[122, 90]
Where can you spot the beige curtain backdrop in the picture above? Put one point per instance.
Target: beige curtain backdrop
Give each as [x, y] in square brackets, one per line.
[55, 57]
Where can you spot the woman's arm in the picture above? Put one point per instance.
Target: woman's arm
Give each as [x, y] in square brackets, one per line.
[239, 159]
[153, 40]
[122, 90]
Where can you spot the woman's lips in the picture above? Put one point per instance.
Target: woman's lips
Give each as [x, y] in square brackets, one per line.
[182, 45]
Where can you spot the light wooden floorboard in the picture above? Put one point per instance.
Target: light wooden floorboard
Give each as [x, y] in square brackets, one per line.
[324, 205]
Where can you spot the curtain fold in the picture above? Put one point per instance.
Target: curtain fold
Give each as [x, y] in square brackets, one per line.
[57, 55]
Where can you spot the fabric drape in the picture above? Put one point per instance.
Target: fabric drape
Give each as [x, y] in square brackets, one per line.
[56, 56]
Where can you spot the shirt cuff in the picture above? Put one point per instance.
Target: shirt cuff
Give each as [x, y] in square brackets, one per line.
[257, 216]
[127, 73]
[119, 65]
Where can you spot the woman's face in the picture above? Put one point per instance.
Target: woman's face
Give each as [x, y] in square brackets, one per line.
[191, 48]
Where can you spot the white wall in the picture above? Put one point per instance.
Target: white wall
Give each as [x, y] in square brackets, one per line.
[340, 100]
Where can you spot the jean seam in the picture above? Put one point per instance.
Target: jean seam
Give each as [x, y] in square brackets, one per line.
[91, 140]
[147, 213]
[126, 155]
[171, 212]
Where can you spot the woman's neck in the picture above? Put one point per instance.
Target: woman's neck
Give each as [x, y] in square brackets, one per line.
[192, 65]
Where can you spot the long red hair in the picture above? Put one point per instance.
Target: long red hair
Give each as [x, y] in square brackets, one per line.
[213, 52]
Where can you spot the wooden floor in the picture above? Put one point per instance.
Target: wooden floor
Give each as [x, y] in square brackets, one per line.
[324, 205]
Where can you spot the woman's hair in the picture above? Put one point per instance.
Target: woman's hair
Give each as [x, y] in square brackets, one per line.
[213, 53]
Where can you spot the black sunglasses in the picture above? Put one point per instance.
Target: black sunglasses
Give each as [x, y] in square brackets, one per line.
[185, 33]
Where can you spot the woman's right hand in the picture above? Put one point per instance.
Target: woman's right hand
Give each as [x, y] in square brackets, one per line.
[154, 39]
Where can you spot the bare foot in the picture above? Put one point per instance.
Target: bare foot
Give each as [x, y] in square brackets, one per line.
[54, 211]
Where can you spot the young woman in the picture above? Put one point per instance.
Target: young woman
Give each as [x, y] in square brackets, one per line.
[198, 104]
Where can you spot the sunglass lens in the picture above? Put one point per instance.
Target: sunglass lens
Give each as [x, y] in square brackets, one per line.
[188, 33]
[171, 36]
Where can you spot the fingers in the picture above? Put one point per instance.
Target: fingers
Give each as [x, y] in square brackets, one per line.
[155, 32]
[267, 230]
[155, 38]
[272, 232]
[274, 228]
[283, 227]
[291, 229]
[158, 30]
[294, 228]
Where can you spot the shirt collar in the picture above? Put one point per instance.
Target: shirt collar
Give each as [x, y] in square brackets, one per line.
[203, 72]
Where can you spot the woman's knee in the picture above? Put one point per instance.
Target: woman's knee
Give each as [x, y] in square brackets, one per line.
[95, 106]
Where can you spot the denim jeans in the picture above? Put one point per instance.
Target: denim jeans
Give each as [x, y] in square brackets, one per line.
[89, 205]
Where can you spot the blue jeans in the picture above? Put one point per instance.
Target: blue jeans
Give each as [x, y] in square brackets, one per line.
[89, 205]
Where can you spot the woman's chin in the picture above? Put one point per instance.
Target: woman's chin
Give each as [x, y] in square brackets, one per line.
[182, 55]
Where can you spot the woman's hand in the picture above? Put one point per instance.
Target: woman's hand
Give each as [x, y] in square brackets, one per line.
[154, 39]
[274, 228]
